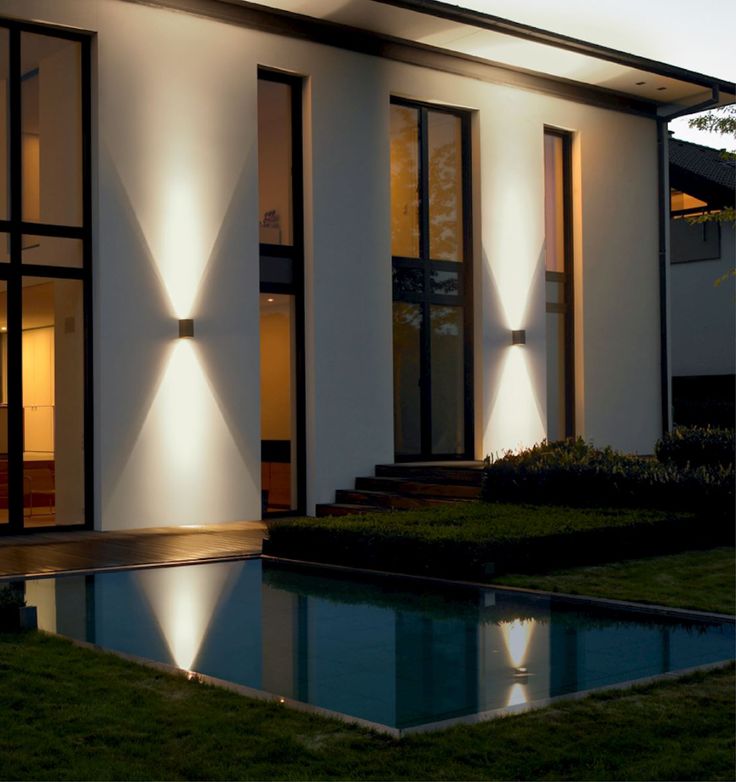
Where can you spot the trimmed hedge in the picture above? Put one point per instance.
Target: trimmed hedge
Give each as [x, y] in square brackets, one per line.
[697, 446]
[475, 541]
[576, 474]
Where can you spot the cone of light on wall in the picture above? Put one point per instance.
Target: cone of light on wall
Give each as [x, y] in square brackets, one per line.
[518, 337]
[186, 328]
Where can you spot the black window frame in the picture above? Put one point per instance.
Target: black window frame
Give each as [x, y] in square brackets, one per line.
[567, 278]
[14, 271]
[425, 266]
[271, 282]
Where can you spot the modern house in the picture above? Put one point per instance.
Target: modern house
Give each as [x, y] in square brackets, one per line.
[251, 250]
[703, 315]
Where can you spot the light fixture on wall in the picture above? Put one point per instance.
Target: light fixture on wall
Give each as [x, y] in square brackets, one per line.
[518, 337]
[186, 328]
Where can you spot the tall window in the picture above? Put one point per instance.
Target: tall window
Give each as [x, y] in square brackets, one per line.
[430, 233]
[559, 282]
[281, 299]
[45, 243]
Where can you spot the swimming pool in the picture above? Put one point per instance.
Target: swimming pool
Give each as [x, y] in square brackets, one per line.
[401, 654]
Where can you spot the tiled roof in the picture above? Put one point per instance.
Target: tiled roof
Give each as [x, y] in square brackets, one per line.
[703, 161]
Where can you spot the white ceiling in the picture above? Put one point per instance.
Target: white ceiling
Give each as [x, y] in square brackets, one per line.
[498, 48]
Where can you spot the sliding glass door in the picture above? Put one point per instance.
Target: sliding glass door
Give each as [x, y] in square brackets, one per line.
[45, 278]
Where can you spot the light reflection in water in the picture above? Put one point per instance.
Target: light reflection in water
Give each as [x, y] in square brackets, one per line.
[383, 652]
[184, 600]
[517, 695]
[517, 635]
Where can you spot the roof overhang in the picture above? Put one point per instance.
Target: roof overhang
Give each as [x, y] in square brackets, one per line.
[458, 40]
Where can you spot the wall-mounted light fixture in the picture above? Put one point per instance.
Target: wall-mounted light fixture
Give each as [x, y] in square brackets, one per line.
[186, 328]
[518, 337]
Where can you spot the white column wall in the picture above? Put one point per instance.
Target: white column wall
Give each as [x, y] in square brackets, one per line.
[177, 424]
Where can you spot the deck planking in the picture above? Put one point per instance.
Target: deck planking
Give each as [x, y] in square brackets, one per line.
[48, 553]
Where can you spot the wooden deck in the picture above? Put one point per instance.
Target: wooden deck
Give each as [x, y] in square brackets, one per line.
[47, 553]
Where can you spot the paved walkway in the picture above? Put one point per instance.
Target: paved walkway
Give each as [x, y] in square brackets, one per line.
[56, 552]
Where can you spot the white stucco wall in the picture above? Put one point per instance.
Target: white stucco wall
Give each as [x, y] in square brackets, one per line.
[177, 436]
[703, 314]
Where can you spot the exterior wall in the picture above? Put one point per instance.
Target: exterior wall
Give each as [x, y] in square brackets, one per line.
[177, 437]
[703, 315]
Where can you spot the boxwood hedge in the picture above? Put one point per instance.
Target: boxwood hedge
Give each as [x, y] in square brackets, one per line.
[475, 541]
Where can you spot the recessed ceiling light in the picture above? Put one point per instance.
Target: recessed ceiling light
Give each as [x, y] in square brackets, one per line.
[269, 300]
[640, 83]
[661, 89]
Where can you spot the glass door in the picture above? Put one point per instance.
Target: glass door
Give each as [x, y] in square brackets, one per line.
[45, 278]
[431, 238]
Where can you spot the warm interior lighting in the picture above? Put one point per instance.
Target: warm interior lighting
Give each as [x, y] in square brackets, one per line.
[517, 635]
[518, 337]
[680, 201]
[186, 328]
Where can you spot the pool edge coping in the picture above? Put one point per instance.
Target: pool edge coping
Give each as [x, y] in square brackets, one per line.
[399, 733]
[378, 727]
[564, 597]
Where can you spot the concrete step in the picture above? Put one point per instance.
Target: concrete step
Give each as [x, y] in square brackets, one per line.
[344, 509]
[427, 473]
[396, 485]
[383, 499]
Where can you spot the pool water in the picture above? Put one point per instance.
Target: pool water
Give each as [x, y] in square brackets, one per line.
[400, 653]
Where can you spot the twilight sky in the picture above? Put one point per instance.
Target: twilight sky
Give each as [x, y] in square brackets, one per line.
[698, 35]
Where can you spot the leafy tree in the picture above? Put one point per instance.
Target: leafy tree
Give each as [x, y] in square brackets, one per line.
[723, 121]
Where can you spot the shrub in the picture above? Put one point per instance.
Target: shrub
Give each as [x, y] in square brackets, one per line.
[476, 541]
[697, 446]
[575, 473]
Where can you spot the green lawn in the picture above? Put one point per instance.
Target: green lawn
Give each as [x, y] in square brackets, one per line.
[71, 713]
[703, 580]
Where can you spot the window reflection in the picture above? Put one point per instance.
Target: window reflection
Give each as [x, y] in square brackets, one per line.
[274, 162]
[445, 187]
[404, 182]
[51, 127]
[407, 392]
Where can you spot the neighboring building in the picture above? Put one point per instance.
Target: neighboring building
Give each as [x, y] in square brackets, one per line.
[396, 230]
[703, 312]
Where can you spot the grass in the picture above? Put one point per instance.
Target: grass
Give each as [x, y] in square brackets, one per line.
[71, 713]
[471, 540]
[702, 580]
